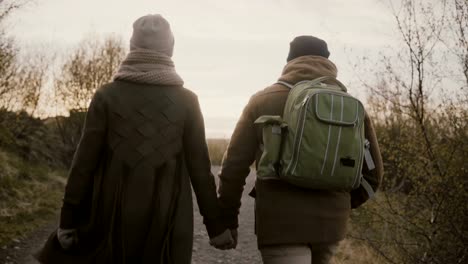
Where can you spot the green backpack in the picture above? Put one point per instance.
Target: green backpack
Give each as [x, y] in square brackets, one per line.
[319, 143]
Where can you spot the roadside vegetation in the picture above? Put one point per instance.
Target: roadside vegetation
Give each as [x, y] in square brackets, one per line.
[29, 197]
[217, 147]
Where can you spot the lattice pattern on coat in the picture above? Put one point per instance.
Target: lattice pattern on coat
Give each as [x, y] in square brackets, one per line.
[145, 128]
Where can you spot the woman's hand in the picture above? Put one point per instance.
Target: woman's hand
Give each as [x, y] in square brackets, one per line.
[67, 238]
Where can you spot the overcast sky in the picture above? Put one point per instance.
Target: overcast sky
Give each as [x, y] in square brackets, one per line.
[225, 50]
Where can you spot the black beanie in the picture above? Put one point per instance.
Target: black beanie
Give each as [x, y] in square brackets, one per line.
[307, 45]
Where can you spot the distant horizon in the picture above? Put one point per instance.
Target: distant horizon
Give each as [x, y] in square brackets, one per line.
[215, 128]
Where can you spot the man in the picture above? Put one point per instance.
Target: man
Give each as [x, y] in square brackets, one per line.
[293, 224]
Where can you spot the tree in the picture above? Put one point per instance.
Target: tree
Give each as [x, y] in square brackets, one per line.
[457, 31]
[7, 55]
[91, 65]
[422, 125]
[21, 77]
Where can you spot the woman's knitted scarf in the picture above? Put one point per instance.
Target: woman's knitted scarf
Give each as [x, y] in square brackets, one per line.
[150, 67]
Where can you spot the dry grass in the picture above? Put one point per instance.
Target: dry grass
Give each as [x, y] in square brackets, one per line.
[217, 148]
[355, 252]
[29, 196]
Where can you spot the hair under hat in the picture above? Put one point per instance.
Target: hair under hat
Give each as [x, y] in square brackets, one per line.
[307, 45]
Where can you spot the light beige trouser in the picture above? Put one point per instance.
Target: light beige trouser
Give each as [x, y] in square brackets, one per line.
[298, 254]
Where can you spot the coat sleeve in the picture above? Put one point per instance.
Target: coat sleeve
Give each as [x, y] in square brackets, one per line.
[199, 169]
[85, 162]
[239, 157]
[374, 177]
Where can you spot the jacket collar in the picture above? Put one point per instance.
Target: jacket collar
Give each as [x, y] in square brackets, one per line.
[307, 68]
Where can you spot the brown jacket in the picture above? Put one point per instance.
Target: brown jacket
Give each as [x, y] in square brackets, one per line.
[284, 213]
[128, 191]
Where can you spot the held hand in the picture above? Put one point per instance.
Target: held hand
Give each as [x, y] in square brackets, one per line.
[67, 238]
[223, 241]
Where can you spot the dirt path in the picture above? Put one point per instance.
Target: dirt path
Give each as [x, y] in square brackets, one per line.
[19, 252]
[246, 251]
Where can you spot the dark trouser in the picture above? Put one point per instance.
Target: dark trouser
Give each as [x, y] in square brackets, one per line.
[298, 254]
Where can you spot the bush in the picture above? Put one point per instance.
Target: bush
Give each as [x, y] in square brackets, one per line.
[217, 148]
[30, 139]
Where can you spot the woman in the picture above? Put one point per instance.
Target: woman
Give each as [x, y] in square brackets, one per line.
[128, 197]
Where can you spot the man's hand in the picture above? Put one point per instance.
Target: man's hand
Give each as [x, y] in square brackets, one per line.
[223, 241]
[67, 238]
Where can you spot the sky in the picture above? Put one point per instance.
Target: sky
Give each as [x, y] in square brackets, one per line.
[224, 50]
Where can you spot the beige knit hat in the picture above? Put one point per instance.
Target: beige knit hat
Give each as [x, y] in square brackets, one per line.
[152, 32]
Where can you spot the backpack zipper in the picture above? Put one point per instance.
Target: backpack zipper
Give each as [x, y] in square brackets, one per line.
[361, 150]
[298, 140]
[306, 102]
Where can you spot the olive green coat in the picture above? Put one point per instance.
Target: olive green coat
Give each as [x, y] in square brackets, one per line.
[128, 190]
[286, 214]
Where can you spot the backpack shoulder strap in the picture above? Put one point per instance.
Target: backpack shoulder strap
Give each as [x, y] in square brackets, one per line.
[316, 81]
[326, 78]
